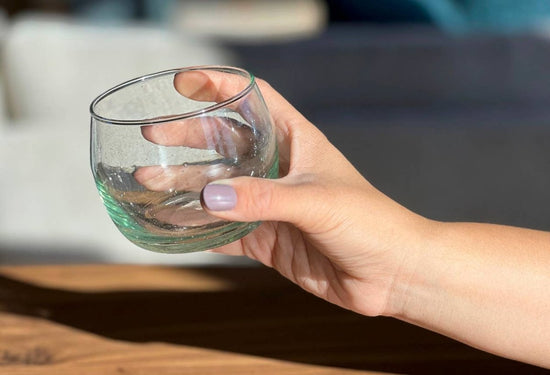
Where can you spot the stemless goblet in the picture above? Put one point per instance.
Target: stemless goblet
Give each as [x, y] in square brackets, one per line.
[157, 140]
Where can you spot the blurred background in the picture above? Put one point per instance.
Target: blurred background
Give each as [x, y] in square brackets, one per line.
[441, 104]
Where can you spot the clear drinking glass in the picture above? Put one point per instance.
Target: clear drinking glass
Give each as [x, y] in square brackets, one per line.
[157, 140]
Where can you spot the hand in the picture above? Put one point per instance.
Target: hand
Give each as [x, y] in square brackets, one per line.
[331, 232]
[324, 226]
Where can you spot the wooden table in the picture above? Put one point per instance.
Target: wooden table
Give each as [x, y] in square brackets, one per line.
[113, 319]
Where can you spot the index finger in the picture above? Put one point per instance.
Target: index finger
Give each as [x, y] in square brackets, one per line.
[217, 87]
[227, 136]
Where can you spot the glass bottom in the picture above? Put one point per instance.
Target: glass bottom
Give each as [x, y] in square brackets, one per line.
[150, 235]
[204, 239]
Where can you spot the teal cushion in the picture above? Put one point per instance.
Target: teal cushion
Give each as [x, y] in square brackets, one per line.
[487, 15]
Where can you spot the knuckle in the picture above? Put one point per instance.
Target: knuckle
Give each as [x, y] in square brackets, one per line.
[260, 198]
[263, 84]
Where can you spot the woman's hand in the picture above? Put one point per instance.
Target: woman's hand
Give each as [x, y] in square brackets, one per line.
[326, 228]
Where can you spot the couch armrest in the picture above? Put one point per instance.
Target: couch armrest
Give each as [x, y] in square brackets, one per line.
[3, 36]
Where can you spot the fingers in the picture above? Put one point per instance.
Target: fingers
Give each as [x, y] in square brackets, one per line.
[257, 199]
[191, 177]
[217, 86]
[290, 124]
[227, 136]
[186, 215]
[209, 85]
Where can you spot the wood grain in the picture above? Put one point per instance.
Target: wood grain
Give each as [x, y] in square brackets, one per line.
[114, 319]
[35, 346]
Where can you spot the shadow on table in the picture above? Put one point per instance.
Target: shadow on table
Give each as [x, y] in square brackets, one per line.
[271, 318]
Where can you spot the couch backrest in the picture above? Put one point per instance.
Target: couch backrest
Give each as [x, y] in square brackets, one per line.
[55, 67]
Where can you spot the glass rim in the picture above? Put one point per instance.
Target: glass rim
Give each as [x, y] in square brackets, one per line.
[175, 117]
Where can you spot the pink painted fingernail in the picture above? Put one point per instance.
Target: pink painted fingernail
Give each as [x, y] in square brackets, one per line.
[218, 197]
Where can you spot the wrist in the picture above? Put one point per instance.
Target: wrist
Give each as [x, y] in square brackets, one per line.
[414, 282]
[480, 284]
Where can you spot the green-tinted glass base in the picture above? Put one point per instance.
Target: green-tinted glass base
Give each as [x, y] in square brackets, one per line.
[183, 241]
[206, 239]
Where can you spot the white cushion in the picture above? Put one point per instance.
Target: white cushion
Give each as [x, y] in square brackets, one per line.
[55, 67]
[255, 21]
[50, 210]
[3, 34]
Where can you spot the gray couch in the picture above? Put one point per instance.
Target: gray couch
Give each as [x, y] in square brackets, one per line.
[453, 128]
[50, 70]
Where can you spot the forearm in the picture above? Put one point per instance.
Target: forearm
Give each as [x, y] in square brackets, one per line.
[485, 285]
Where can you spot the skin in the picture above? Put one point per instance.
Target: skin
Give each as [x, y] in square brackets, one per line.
[327, 229]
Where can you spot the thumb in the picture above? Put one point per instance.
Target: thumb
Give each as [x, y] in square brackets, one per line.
[255, 199]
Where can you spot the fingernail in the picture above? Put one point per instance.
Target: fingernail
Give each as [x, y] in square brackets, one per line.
[218, 197]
